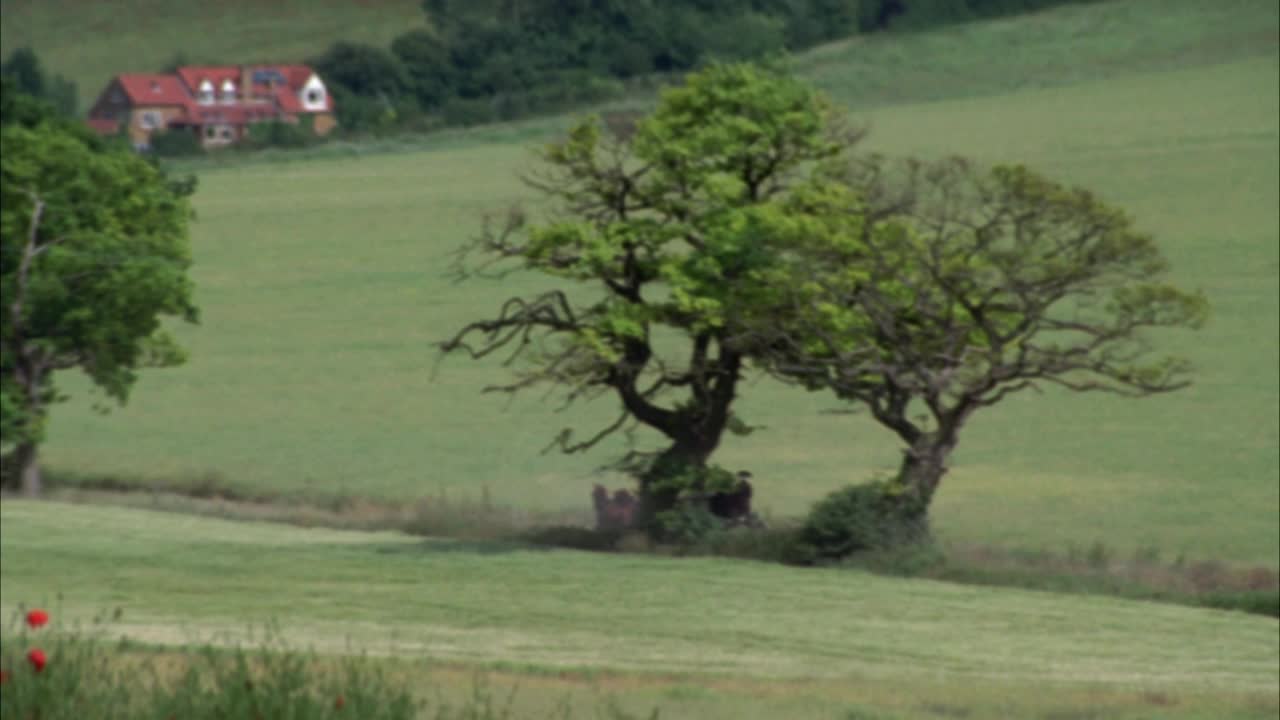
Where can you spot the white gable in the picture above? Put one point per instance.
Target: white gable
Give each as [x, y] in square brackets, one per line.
[312, 94]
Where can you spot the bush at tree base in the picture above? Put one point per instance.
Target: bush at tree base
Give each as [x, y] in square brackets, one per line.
[877, 515]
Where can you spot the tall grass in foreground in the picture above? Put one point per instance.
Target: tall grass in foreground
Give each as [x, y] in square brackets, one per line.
[53, 674]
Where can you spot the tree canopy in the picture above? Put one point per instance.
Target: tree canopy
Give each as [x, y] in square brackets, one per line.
[93, 252]
[925, 292]
[23, 69]
[734, 230]
[665, 224]
[483, 60]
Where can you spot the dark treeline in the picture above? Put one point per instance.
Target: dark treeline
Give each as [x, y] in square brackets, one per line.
[25, 75]
[485, 60]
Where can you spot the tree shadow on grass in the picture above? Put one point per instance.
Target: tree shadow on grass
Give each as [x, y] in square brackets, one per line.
[534, 540]
[448, 546]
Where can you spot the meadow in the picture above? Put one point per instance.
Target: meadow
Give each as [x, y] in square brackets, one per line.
[324, 282]
[698, 638]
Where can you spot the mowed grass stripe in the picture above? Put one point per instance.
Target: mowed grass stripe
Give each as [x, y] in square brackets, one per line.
[181, 577]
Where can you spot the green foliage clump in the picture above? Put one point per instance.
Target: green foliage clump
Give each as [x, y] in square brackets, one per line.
[686, 524]
[175, 143]
[872, 15]
[878, 515]
[682, 489]
[93, 253]
[279, 134]
[22, 67]
[487, 60]
[1258, 602]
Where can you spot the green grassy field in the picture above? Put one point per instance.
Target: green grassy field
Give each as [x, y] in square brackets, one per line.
[698, 637]
[322, 279]
[323, 285]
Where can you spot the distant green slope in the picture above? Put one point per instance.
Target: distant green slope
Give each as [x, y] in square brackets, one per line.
[323, 286]
[1067, 45]
[90, 42]
[539, 608]
[324, 283]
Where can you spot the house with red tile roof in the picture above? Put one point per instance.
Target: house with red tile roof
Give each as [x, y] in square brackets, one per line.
[216, 103]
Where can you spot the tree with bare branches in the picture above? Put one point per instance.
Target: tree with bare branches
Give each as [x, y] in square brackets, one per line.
[656, 233]
[926, 292]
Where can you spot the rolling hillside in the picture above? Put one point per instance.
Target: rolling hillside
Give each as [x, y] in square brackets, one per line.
[323, 282]
[324, 285]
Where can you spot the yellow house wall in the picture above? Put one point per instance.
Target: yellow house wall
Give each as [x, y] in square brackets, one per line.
[140, 134]
[324, 123]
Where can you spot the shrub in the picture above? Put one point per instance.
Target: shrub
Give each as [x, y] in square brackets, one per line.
[686, 524]
[875, 516]
[1258, 602]
[176, 143]
[467, 112]
[280, 134]
[683, 490]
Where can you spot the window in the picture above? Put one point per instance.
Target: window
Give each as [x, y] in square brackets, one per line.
[150, 119]
[210, 132]
[313, 96]
[226, 133]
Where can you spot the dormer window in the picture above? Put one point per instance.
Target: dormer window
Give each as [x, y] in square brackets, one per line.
[228, 92]
[312, 95]
[205, 95]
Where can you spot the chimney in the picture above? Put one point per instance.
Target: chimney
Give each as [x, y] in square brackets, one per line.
[246, 83]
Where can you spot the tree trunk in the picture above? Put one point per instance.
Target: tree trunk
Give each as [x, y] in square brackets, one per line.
[679, 458]
[27, 466]
[924, 464]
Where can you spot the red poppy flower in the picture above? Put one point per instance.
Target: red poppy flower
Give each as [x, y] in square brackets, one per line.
[37, 659]
[37, 618]
[337, 704]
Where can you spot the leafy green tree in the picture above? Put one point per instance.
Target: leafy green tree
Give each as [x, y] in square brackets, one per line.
[929, 292]
[364, 70]
[20, 108]
[425, 59]
[93, 252]
[23, 69]
[23, 66]
[656, 237]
